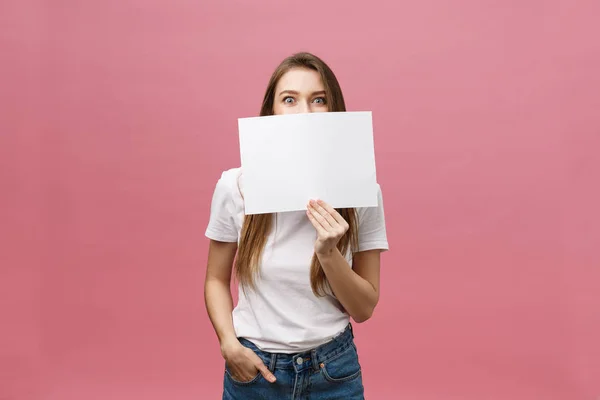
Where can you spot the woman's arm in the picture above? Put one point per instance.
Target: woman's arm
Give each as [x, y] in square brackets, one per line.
[217, 290]
[356, 288]
[242, 361]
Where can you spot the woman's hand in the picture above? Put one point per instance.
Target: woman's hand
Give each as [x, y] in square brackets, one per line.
[329, 224]
[244, 364]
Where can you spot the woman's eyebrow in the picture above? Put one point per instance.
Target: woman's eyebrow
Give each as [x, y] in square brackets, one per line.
[296, 93]
[288, 92]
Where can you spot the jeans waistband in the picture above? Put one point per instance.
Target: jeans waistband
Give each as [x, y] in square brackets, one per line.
[308, 359]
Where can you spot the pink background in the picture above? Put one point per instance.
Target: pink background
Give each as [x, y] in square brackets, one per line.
[117, 117]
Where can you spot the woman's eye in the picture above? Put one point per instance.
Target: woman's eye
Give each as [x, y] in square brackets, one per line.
[288, 100]
[319, 100]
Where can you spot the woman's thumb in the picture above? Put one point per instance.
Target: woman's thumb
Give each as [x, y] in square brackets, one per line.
[265, 372]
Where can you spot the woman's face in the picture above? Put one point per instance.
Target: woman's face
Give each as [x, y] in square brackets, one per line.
[300, 90]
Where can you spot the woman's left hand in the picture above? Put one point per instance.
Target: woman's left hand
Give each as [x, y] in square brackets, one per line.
[329, 224]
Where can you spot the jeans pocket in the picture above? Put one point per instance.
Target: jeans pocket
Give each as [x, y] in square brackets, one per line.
[241, 383]
[343, 367]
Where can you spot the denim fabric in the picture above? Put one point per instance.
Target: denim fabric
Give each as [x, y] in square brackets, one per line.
[330, 371]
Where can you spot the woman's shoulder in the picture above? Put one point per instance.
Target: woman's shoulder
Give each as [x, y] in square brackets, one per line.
[230, 177]
[229, 183]
[372, 232]
[225, 208]
[362, 210]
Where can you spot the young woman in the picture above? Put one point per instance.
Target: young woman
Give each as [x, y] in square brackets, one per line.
[302, 275]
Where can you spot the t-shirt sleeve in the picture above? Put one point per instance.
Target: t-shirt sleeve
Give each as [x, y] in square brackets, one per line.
[221, 226]
[371, 226]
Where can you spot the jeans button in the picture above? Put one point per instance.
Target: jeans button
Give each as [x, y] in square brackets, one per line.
[299, 360]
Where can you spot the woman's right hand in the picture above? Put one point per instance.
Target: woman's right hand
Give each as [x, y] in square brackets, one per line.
[243, 363]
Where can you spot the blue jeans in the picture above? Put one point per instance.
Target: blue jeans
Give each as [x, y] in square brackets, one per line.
[330, 371]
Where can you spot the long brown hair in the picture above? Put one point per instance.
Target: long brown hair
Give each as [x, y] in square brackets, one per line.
[256, 228]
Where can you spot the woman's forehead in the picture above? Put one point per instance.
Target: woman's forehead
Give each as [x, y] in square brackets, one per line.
[300, 80]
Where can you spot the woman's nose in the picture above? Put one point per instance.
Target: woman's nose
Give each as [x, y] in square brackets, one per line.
[304, 107]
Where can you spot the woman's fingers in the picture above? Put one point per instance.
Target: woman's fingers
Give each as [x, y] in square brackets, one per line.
[249, 366]
[320, 215]
[334, 214]
[331, 221]
[262, 368]
[318, 226]
[328, 217]
[266, 373]
[242, 373]
[329, 224]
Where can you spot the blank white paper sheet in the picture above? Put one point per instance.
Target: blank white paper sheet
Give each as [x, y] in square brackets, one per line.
[289, 159]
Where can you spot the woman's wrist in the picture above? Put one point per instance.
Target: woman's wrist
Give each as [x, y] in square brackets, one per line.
[227, 343]
[326, 255]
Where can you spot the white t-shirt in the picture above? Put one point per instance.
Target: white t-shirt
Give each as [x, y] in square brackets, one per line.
[282, 314]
